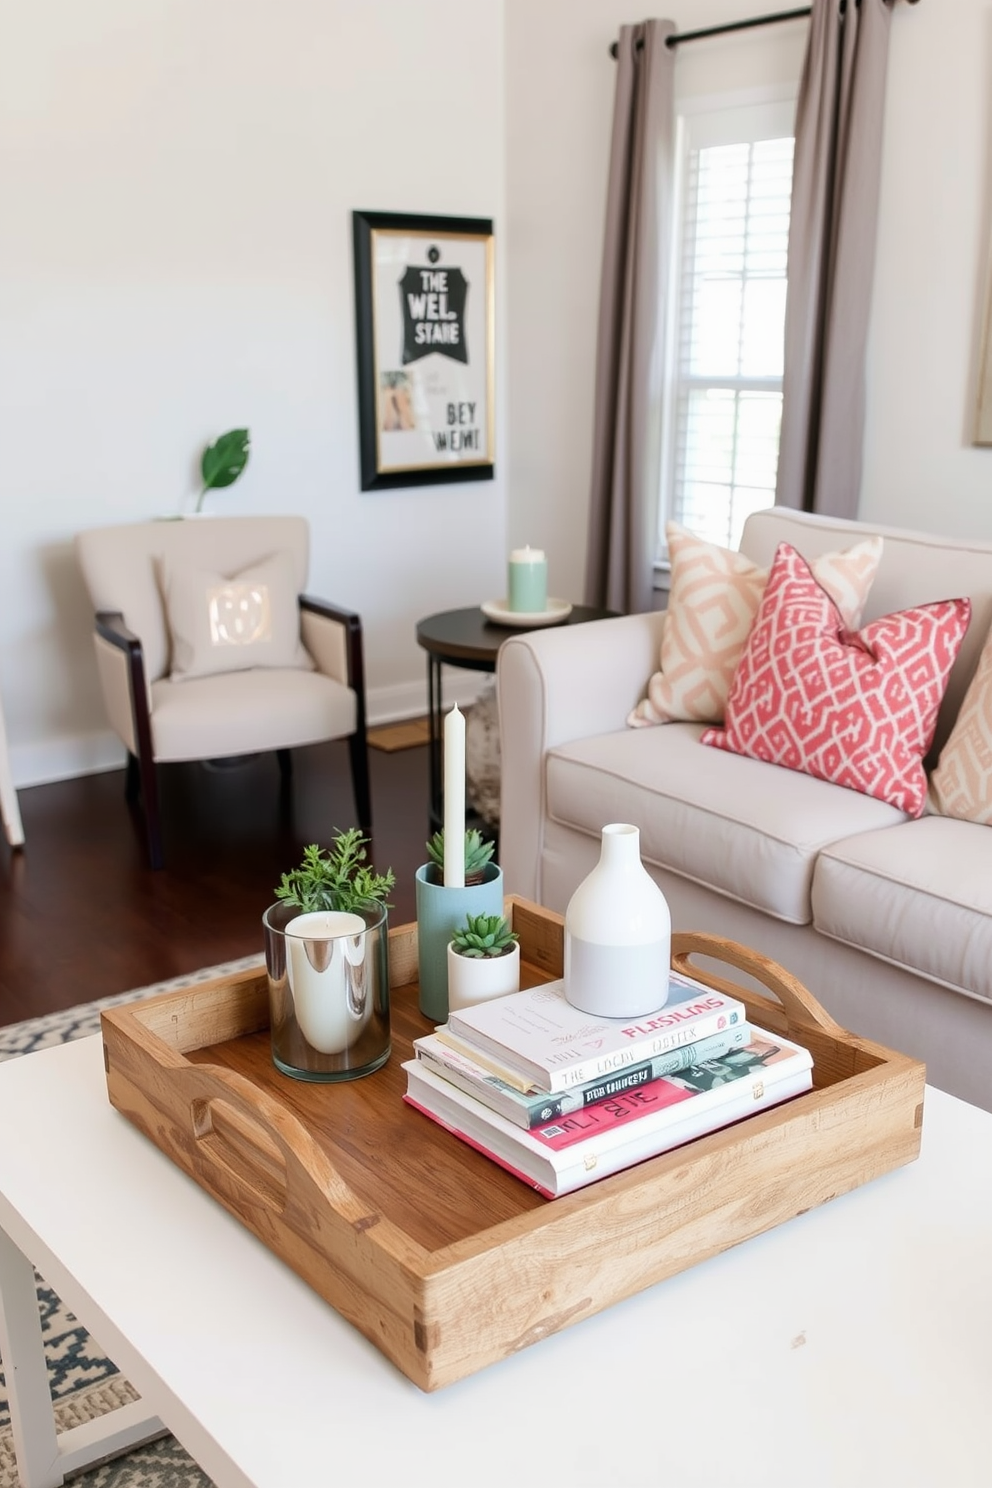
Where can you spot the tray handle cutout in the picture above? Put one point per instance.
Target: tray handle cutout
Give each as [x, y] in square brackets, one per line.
[799, 1003]
[257, 1148]
[242, 1149]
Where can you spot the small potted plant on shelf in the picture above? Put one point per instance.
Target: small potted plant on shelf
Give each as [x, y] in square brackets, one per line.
[326, 955]
[483, 960]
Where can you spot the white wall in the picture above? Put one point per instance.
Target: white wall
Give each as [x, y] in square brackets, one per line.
[934, 230]
[177, 179]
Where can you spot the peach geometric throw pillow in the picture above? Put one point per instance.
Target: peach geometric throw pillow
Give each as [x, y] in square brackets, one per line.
[961, 785]
[713, 599]
[856, 708]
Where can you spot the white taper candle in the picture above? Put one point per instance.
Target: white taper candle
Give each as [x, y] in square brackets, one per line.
[454, 800]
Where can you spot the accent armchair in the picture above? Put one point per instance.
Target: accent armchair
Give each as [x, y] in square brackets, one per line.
[207, 648]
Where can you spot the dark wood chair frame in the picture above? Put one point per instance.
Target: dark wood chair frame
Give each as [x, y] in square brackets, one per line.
[141, 778]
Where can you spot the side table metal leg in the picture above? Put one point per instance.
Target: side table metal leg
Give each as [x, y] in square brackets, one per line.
[45, 1456]
[434, 710]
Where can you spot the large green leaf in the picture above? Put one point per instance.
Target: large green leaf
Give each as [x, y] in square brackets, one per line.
[224, 460]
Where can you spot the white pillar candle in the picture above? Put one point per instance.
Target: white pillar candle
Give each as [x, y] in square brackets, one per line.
[527, 581]
[454, 800]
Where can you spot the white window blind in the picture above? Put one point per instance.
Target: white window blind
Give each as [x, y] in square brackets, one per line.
[729, 314]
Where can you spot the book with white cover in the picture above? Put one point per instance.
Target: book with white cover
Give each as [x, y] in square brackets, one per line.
[540, 1035]
[605, 1138]
[529, 1108]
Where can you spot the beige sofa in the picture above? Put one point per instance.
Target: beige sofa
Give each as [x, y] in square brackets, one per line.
[887, 920]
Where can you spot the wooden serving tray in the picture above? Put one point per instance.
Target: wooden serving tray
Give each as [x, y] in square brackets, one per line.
[446, 1262]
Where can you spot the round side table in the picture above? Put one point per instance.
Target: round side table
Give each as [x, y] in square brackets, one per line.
[466, 638]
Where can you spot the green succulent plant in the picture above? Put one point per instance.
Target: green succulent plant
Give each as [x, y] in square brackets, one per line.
[477, 852]
[337, 878]
[484, 936]
[223, 461]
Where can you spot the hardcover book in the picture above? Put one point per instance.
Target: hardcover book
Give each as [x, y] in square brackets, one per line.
[540, 1036]
[613, 1134]
[535, 1108]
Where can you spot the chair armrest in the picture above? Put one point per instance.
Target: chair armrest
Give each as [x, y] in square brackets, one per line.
[121, 666]
[333, 636]
[110, 625]
[555, 685]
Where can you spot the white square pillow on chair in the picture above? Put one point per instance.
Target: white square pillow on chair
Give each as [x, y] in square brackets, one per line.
[230, 623]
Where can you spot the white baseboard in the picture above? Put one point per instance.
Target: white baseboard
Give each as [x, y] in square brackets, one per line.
[71, 755]
[64, 758]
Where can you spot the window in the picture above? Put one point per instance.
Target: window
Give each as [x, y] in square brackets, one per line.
[727, 317]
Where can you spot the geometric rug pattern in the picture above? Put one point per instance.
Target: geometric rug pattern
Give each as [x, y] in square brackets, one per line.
[83, 1381]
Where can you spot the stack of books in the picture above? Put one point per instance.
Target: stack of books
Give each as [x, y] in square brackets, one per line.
[561, 1099]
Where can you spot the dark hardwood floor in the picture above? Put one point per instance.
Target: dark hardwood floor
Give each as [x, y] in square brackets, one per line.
[82, 917]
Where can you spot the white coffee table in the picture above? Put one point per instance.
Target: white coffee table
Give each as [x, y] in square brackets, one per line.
[850, 1346]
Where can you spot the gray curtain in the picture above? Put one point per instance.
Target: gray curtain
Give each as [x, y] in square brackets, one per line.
[626, 457]
[832, 255]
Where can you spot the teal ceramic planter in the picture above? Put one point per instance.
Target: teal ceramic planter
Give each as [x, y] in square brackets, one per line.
[440, 911]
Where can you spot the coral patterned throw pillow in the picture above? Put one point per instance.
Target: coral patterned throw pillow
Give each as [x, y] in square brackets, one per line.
[712, 601]
[856, 708]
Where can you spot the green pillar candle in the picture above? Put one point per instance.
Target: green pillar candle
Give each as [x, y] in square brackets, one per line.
[528, 581]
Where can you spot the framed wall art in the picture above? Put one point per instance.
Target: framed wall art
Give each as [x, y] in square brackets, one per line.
[425, 319]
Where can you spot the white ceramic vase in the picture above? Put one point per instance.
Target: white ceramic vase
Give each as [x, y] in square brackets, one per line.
[473, 979]
[325, 966]
[618, 933]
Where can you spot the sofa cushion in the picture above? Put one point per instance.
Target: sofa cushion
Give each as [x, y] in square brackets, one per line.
[855, 708]
[712, 601]
[961, 785]
[730, 823]
[918, 895]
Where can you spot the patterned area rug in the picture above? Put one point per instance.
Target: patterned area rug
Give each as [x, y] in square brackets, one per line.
[85, 1384]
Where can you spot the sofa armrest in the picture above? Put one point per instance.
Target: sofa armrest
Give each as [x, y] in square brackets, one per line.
[571, 682]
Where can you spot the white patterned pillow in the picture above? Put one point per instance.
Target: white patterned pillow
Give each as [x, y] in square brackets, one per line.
[714, 597]
[229, 623]
[961, 785]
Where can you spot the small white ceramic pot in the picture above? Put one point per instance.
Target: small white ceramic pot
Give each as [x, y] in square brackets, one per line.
[473, 979]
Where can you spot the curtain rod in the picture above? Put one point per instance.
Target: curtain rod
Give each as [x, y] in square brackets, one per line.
[766, 20]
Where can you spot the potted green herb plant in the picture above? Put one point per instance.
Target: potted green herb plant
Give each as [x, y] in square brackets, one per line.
[326, 955]
[483, 960]
[337, 878]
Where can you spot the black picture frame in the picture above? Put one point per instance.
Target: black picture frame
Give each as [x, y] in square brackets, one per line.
[425, 334]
